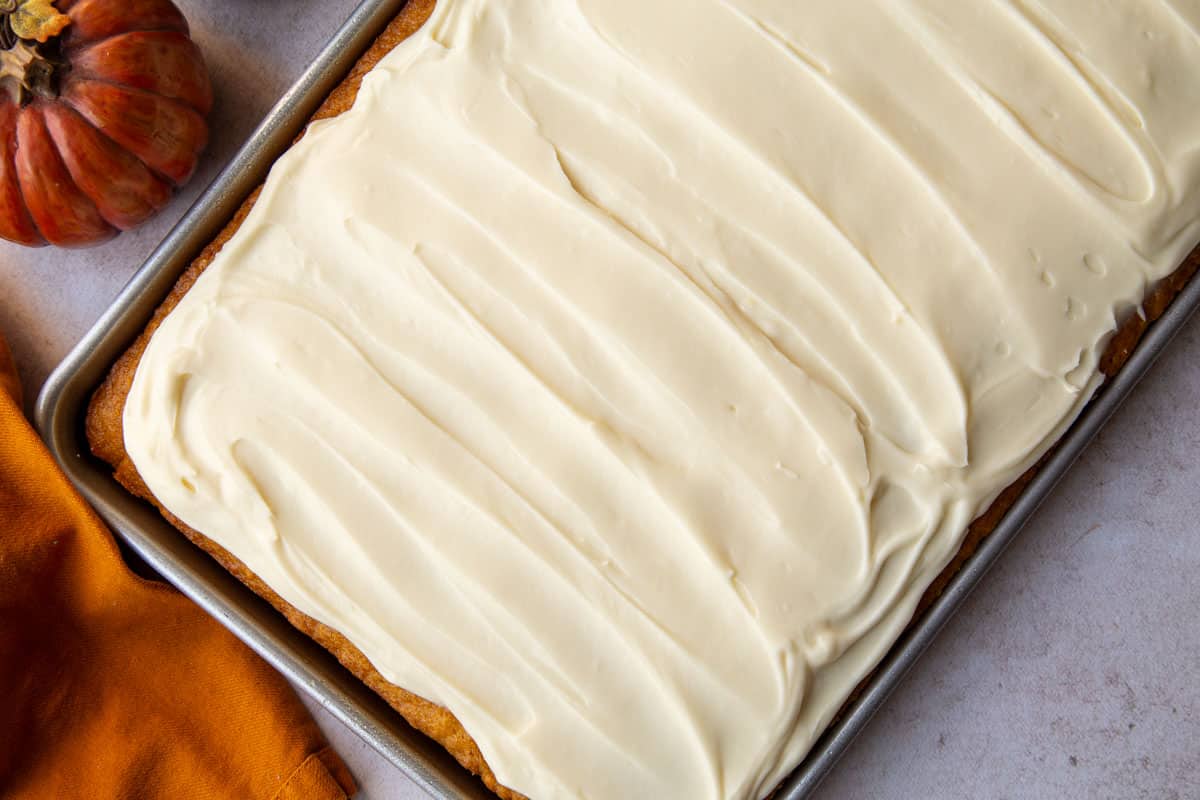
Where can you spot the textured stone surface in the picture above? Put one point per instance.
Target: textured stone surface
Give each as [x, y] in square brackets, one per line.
[1073, 672]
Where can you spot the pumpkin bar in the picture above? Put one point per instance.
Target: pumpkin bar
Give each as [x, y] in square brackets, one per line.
[606, 383]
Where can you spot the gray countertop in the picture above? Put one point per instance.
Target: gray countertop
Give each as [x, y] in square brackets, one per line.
[1073, 672]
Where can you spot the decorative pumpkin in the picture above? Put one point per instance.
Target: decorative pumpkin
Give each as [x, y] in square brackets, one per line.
[102, 116]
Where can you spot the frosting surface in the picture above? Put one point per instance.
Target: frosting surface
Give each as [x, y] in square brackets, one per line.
[618, 374]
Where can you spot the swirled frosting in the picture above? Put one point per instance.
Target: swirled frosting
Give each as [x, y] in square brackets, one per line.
[619, 373]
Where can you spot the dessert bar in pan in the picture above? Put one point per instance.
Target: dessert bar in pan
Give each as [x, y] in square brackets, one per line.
[605, 384]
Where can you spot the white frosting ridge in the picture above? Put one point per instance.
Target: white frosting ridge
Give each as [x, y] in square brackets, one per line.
[618, 374]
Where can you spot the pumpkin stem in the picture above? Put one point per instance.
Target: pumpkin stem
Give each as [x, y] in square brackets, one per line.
[29, 69]
[26, 73]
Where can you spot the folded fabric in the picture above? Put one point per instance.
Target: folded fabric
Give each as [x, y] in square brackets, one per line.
[112, 686]
[9, 384]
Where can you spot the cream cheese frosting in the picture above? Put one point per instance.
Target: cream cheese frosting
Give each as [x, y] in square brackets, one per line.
[618, 374]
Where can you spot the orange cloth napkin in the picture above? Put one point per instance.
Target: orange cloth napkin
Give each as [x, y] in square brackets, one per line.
[112, 686]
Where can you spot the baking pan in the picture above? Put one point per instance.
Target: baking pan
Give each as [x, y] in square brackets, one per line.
[63, 403]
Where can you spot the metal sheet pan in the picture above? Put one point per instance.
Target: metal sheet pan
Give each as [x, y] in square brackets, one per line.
[63, 403]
